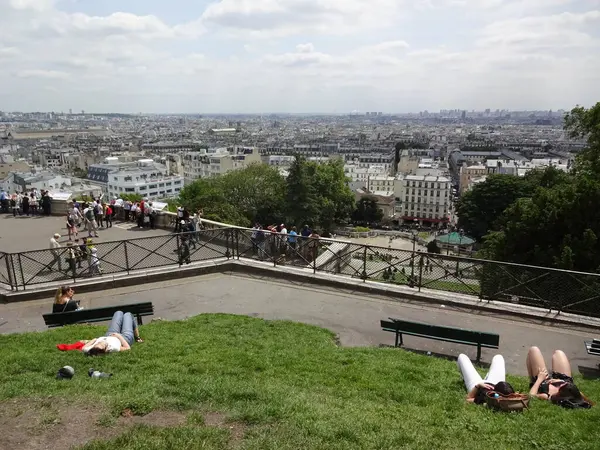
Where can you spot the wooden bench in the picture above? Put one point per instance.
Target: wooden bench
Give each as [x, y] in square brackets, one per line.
[441, 333]
[98, 314]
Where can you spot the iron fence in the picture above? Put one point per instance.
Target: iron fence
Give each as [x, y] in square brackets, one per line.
[554, 289]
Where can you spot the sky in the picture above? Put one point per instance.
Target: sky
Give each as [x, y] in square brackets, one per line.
[321, 56]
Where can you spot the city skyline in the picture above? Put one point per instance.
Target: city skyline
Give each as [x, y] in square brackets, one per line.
[290, 56]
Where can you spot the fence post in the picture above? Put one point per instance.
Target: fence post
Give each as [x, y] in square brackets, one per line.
[179, 250]
[237, 243]
[228, 252]
[21, 270]
[11, 278]
[126, 257]
[364, 272]
[420, 272]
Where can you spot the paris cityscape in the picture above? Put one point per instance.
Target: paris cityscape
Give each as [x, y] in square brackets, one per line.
[299, 224]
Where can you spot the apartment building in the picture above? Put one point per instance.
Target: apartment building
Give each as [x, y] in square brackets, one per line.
[143, 177]
[207, 163]
[468, 174]
[381, 185]
[426, 200]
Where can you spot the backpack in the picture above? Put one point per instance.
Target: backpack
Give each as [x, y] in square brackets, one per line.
[89, 215]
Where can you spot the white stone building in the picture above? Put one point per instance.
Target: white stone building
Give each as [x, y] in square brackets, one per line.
[206, 164]
[425, 200]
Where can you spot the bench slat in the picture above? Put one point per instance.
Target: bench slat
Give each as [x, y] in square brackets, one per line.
[97, 314]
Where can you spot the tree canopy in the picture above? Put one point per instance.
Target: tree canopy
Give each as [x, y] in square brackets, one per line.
[314, 194]
[555, 218]
[367, 212]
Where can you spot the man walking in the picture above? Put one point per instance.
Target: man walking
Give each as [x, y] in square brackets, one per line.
[55, 250]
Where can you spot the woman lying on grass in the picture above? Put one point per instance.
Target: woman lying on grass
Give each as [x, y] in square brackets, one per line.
[558, 388]
[478, 387]
[120, 336]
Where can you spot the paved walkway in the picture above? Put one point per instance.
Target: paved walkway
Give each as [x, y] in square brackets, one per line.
[22, 233]
[355, 318]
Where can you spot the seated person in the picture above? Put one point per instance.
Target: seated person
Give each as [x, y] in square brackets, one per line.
[558, 388]
[477, 387]
[119, 338]
[63, 300]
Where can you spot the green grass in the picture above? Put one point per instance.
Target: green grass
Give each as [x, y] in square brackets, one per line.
[289, 384]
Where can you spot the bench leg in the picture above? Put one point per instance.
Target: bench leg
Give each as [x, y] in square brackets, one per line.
[399, 340]
[478, 352]
[139, 320]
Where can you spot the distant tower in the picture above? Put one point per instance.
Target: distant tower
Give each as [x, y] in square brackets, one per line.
[82, 112]
[70, 111]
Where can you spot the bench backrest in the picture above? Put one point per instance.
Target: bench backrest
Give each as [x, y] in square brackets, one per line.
[97, 314]
[456, 334]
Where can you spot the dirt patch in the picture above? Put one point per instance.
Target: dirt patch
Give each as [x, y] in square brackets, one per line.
[41, 424]
[155, 419]
[219, 420]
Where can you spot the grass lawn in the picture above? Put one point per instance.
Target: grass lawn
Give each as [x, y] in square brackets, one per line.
[288, 385]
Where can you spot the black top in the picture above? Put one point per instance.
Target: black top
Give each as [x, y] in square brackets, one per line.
[71, 305]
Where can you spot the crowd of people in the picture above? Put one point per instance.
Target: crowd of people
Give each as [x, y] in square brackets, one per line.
[274, 240]
[33, 203]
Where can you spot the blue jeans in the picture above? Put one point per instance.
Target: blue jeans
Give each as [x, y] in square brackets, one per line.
[124, 324]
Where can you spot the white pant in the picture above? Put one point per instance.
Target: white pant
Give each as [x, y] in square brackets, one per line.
[496, 374]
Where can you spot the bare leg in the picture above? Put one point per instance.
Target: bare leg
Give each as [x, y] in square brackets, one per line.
[535, 361]
[560, 363]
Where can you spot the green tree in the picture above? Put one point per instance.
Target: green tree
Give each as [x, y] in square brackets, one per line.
[432, 247]
[131, 197]
[336, 200]
[240, 197]
[479, 209]
[559, 224]
[367, 211]
[302, 199]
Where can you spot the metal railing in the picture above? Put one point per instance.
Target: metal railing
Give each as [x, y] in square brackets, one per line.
[553, 289]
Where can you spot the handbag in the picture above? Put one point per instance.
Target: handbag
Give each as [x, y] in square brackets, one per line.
[507, 403]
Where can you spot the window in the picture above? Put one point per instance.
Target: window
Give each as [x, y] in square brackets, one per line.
[169, 191]
[153, 194]
[177, 182]
[168, 184]
[177, 189]
[143, 188]
[129, 189]
[115, 179]
[161, 185]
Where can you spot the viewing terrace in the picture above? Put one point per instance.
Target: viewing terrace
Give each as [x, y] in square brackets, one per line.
[347, 288]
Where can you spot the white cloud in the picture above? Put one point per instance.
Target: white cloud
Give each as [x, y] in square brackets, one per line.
[266, 18]
[40, 73]
[325, 55]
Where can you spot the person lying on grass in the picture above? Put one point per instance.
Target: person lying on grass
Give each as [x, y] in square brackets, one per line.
[120, 336]
[558, 388]
[478, 387]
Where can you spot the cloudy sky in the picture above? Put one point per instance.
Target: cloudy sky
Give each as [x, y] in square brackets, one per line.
[328, 56]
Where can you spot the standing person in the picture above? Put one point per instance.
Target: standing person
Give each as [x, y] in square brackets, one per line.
[313, 246]
[127, 209]
[71, 226]
[95, 268]
[122, 331]
[293, 239]
[55, 250]
[33, 204]
[558, 387]
[283, 238]
[179, 219]
[14, 203]
[109, 216]
[184, 246]
[46, 203]
[71, 258]
[4, 201]
[90, 221]
[151, 215]
[99, 213]
[25, 204]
